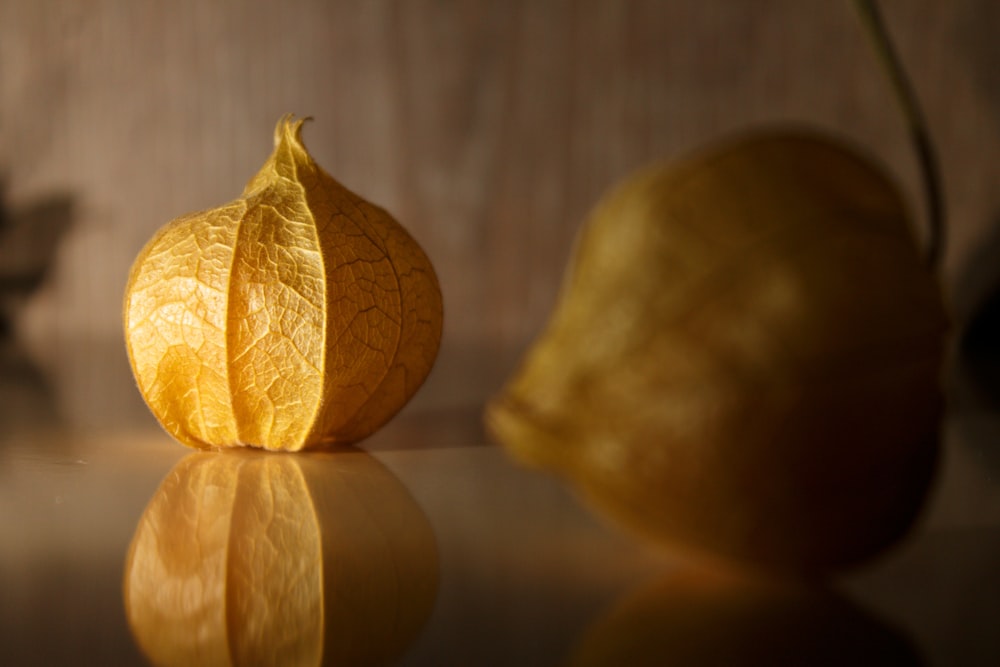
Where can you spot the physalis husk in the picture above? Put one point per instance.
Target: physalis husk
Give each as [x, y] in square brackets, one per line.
[296, 315]
[746, 357]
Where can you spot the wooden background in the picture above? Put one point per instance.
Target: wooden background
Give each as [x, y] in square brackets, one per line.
[488, 127]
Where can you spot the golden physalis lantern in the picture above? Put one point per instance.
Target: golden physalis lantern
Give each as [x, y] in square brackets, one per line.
[297, 315]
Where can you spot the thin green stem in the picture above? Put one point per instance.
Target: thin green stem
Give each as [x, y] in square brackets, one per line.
[871, 18]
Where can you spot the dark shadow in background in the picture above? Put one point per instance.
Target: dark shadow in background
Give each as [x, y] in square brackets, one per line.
[979, 334]
[974, 388]
[978, 286]
[976, 377]
[29, 237]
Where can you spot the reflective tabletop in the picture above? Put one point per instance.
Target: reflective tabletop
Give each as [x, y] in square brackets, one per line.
[424, 545]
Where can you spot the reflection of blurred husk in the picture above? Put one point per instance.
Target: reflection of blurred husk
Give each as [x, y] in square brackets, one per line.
[699, 618]
[248, 558]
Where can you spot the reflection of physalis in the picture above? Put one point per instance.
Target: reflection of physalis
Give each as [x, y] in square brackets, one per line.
[246, 558]
[697, 617]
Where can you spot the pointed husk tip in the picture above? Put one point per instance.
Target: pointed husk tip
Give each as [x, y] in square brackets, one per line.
[289, 127]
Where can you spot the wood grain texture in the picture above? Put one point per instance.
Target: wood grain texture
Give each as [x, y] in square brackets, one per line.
[487, 128]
